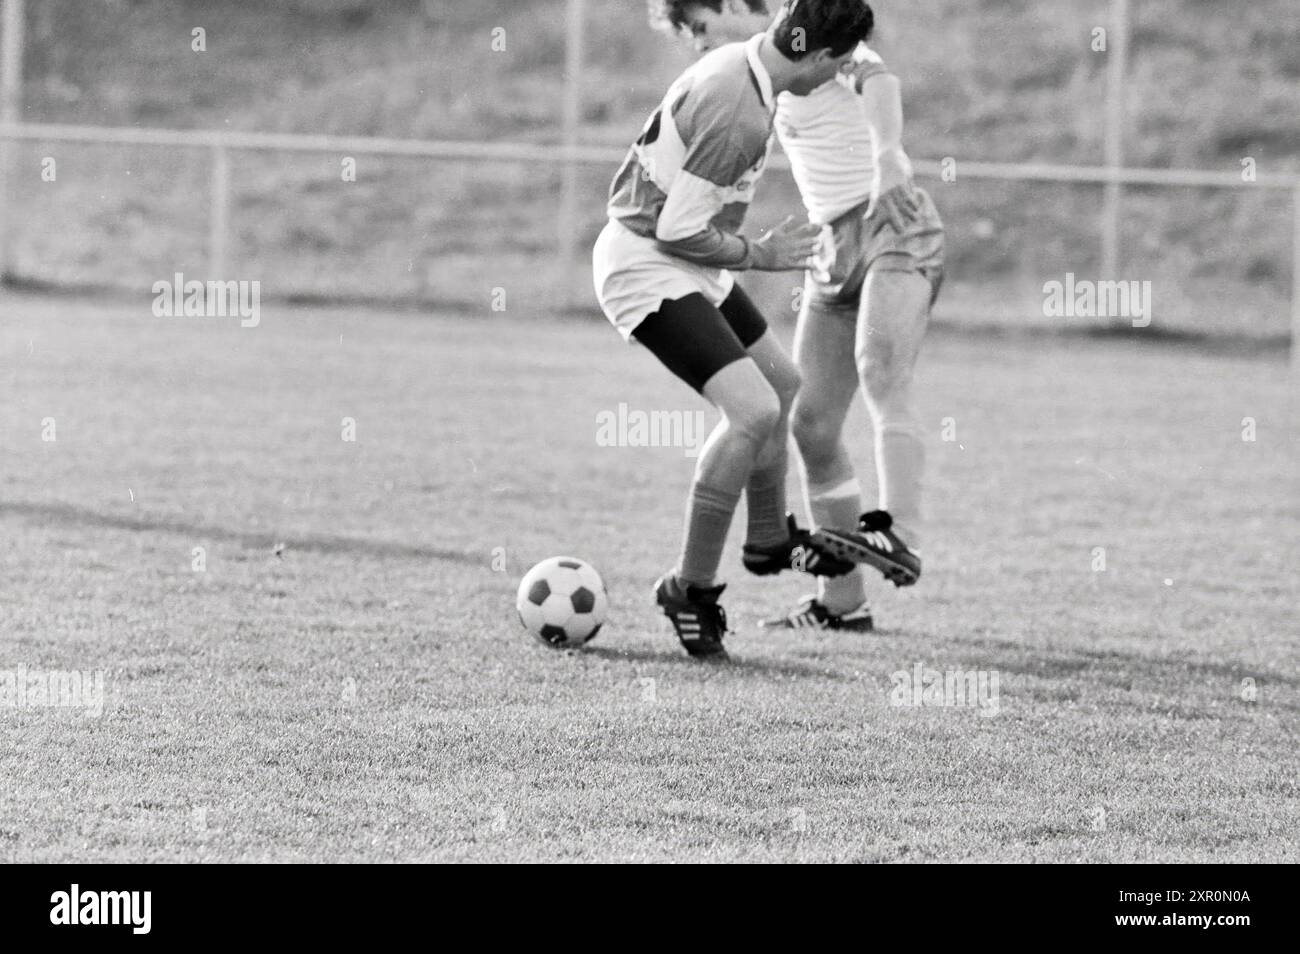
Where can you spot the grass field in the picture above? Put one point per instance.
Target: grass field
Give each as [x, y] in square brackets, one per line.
[346, 680]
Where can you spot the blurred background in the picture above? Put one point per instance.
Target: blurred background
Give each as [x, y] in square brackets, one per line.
[496, 87]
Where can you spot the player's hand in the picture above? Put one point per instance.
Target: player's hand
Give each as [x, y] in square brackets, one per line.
[898, 204]
[786, 248]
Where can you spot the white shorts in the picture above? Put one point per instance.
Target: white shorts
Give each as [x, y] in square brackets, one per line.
[632, 277]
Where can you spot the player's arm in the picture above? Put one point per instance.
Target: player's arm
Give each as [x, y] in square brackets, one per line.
[685, 228]
[881, 98]
[685, 231]
[718, 157]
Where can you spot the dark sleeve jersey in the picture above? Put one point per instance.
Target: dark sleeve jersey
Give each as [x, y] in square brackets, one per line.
[689, 178]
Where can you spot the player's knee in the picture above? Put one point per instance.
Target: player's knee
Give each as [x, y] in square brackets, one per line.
[784, 378]
[883, 376]
[814, 433]
[757, 416]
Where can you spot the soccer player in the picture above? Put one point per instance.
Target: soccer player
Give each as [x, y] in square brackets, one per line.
[663, 274]
[866, 304]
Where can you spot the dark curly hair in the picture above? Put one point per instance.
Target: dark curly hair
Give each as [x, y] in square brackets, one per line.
[805, 26]
[671, 14]
[802, 26]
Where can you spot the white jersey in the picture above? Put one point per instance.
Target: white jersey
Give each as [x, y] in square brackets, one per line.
[829, 141]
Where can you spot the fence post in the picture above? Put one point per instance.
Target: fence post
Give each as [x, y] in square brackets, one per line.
[219, 214]
[1116, 77]
[1295, 283]
[11, 84]
[567, 222]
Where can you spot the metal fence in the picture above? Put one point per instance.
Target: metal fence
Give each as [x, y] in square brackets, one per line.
[570, 155]
[220, 144]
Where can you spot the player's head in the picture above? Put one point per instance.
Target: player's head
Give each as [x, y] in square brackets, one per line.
[805, 27]
[711, 23]
[819, 37]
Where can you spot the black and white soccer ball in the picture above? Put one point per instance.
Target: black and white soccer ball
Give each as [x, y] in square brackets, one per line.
[562, 601]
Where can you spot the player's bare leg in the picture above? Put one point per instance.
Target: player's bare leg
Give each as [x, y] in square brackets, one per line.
[895, 311]
[751, 413]
[773, 540]
[824, 342]
[765, 491]
[689, 595]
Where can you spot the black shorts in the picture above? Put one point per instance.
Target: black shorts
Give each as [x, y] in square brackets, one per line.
[695, 340]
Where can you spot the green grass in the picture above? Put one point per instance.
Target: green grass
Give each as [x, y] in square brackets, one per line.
[1001, 80]
[367, 694]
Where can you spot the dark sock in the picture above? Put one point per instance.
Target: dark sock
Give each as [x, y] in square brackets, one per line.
[708, 518]
[766, 505]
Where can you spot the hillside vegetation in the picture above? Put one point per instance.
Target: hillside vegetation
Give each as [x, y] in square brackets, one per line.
[1012, 80]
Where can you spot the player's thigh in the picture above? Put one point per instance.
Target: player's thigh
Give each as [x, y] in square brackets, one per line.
[691, 337]
[777, 367]
[894, 315]
[823, 353]
[761, 344]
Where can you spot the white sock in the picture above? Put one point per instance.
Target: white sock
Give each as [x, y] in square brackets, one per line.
[838, 506]
[900, 464]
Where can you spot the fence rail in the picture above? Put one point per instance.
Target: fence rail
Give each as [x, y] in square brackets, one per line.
[220, 143]
[561, 154]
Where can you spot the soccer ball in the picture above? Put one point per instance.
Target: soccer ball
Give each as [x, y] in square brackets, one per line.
[562, 602]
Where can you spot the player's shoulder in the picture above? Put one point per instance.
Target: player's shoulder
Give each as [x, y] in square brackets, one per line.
[716, 90]
[865, 64]
[720, 68]
[721, 75]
